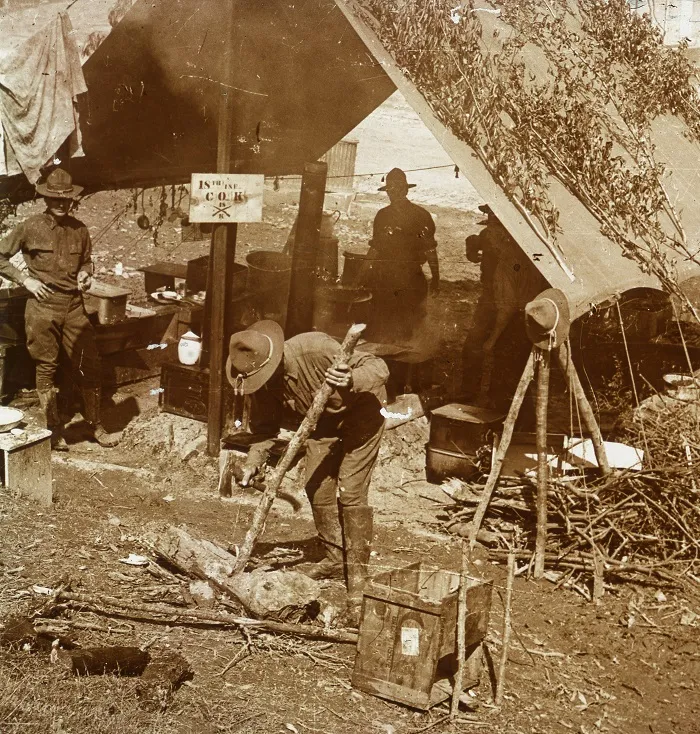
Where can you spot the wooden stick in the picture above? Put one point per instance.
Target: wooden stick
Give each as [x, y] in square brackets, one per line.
[569, 369]
[303, 432]
[166, 614]
[503, 445]
[542, 459]
[461, 632]
[507, 628]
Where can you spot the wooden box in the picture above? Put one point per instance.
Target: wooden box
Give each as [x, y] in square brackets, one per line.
[185, 391]
[25, 465]
[162, 275]
[457, 432]
[407, 650]
[107, 301]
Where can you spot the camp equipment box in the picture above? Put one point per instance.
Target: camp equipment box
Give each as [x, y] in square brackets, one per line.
[107, 301]
[185, 391]
[457, 432]
[407, 649]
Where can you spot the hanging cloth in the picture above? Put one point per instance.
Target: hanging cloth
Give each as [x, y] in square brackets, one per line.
[39, 84]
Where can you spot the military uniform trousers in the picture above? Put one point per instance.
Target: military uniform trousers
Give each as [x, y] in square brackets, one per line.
[58, 328]
[342, 452]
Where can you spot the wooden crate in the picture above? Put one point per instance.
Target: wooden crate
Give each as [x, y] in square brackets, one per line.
[185, 391]
[25, 465]
[407, 650]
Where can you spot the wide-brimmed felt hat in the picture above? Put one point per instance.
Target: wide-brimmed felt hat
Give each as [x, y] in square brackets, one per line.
[547, 319]
[488, 211]
[396, 177]
[253, 356]
[58, 185]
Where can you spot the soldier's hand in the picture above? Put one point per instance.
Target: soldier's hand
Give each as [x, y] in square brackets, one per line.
[84, 281]
[339, 376]
[249, 471]
[435, 286]
[39, 290]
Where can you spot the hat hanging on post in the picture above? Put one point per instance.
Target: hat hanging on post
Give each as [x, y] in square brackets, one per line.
[396, 177]
[547, 319]
[58, 185]
[253, 356]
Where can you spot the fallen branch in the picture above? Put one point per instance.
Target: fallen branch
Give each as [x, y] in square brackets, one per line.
[171, 615]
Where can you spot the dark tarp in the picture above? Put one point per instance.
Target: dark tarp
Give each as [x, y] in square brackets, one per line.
[301, 80]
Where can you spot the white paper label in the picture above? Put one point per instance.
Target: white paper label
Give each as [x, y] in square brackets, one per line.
[410, 641]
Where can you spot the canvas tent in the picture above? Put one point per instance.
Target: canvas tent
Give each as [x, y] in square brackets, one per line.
[304, 74]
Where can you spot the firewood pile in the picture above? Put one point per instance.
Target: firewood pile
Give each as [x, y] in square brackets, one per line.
[632, 525]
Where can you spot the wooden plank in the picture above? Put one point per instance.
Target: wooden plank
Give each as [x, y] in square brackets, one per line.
[376, 641]
[392, 691]
[402, 598]
[476, 625]
[27, 467]
[416, 642]
[122, 368]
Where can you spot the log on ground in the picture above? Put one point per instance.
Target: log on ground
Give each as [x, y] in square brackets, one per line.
[287, 596]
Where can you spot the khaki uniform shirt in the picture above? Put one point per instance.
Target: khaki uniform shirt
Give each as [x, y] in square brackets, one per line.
[55, 251]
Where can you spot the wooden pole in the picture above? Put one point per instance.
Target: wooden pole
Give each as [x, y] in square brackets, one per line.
[584, 407]
[303, 432]
[222, 251]
[542, 369]
[497, 463]
[507, 628]
[304, 253]
[461, 631]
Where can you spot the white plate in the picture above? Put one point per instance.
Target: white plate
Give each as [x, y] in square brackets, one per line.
[166, 296]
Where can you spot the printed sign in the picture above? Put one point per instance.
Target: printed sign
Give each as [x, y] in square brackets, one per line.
[410, 641]
[224, 198]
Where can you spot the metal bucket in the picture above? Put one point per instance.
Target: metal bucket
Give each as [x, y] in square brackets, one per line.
[337, 308]
[352, 264]
[268, 270]
[269, 276]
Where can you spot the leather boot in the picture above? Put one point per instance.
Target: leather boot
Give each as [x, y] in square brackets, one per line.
[49, 404]
[329, 533]
[357, 540]
[92, 398]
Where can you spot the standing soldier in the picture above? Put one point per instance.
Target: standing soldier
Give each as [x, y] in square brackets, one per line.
[57, 250]
[403, 240]
[509, 280]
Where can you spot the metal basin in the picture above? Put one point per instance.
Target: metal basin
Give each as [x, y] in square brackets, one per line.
[10, 418]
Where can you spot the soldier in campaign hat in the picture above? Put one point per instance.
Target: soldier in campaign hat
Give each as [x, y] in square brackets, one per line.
[57, 251]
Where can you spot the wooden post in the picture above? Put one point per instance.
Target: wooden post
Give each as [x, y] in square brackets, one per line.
[507, 629]
[497, 463]
[567, 364]
[461, 631]
[542, 369]
[306, 243]
[303, 432]
[222, 252]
